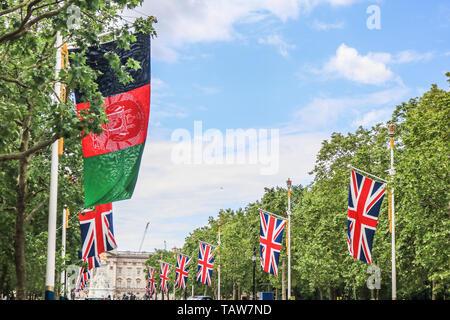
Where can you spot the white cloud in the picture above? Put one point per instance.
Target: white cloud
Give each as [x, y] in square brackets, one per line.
[176, 199]
[405, 56]
[373, 117]
[324, 112]
[275, 40]
[372, 68]
[182, 22]
[349, 64]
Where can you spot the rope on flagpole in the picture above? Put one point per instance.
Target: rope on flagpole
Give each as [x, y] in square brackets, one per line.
[179, 252]
[273, 214]
[352, 167]
[214, 246]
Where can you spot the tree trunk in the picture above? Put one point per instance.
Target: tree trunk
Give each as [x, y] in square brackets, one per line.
[19, 238]
[433, 294]
[332, 293]
[234, 289]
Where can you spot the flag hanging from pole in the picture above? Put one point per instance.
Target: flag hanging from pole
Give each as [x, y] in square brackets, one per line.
[205, 263]
[164, 275]
[271, 234]
[151, 284]
[97, 234]
[364, 201]
[182, 270]
[111, 160]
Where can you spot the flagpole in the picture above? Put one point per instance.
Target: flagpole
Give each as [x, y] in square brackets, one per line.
[63, 254]
[391, 132]
[369, 174]
[273, 214]
[218, 267]
[213, 246]
[289, 183]
[51, 241]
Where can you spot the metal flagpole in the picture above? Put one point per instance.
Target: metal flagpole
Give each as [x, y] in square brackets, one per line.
[289, 183]
[51, 242]
[369, 174]
[63, 252]
[218, 267]
[391, 132]
[273, 214]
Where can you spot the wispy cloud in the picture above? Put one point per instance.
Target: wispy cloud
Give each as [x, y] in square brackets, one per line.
[206, 90]
[278, 42]
[323, 26]
[177, 198]
[328, 112]
[182, 22]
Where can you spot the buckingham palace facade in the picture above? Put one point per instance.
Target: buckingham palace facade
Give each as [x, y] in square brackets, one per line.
[121, 274]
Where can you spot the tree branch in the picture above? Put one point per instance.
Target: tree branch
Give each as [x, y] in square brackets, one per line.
[26, 25]
[33, 149]
[9, 10]
[13, 81]
[36, 209]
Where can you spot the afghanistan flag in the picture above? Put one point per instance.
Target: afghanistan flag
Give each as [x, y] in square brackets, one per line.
[112, 159]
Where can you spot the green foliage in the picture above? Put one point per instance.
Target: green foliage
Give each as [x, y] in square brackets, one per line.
[32, 117]
[321, 266]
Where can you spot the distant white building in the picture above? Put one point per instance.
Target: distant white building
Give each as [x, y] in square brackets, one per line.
[121, 273]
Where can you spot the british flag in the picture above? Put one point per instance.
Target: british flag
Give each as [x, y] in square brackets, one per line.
[205, 263]
[271, 234]
[83, 278]
[93, 262]
[97, 233]
[164, 275]
[364, 201]
[182, 270]
[151, 286]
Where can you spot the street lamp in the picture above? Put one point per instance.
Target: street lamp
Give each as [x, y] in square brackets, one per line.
[254, 267]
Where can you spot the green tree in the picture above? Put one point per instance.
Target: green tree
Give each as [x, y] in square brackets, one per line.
[422, 197]
[31, 120]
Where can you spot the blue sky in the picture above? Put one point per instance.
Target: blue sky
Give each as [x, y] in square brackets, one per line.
[305, 67]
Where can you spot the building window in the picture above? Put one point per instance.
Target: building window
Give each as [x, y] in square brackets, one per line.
[138, 283]
[129, 271]
[119, 270]
[119, 283]
[128, 283]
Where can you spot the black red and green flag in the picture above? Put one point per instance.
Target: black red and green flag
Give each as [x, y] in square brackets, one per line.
[112, 159]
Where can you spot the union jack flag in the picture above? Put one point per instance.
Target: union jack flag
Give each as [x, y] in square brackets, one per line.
[364, 201]
[93, 262]
[205, 263]
[271, 234]
[164, 275]
[97, 233]
[83, 278]
[151, 286]
[182, 270]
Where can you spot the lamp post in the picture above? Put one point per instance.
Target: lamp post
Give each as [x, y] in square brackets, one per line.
[289, 184]
[254, 267]
[391, 133]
